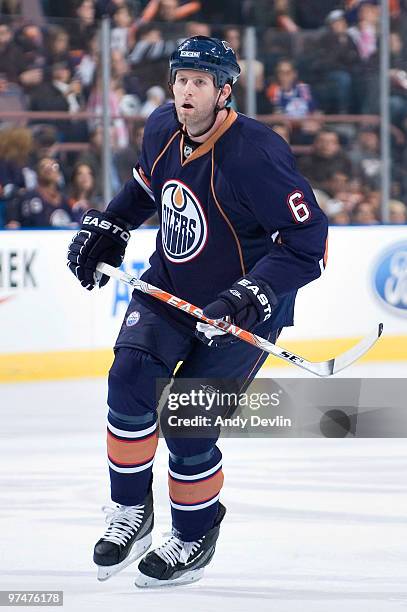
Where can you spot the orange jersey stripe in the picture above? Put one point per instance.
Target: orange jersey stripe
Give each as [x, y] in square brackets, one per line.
[326, 253]
[195, 492]
[132, 452]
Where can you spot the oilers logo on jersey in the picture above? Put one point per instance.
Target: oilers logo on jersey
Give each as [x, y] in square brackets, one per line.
[184, 226]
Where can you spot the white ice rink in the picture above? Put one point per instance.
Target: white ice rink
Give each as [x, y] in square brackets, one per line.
[313, 525]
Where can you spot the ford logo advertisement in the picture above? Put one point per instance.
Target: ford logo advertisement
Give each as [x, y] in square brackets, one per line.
[390, 278]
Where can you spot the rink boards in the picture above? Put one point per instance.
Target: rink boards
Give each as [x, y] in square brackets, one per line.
[51, 328]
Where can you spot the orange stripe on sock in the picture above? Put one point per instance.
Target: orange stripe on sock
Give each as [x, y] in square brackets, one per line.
[132, 452]
[195, 492]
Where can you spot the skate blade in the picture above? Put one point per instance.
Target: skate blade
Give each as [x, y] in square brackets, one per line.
[147, 582]
[139, 548]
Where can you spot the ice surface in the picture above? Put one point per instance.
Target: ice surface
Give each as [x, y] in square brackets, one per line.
[313, 525]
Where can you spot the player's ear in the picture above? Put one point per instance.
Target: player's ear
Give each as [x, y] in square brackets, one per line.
[226, 92]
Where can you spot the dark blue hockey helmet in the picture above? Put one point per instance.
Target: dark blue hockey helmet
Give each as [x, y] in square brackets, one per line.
[209, 55]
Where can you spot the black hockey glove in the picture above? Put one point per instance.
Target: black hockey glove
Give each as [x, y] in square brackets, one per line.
[102, 237]
[247, 303]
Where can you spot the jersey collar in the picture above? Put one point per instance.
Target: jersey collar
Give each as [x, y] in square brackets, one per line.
[206, 146]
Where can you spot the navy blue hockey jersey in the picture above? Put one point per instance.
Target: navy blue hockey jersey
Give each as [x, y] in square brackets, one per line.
[235, 205]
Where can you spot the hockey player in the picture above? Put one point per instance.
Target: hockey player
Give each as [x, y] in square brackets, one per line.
[240, 233]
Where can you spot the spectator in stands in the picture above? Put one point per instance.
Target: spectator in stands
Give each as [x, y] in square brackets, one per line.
[16, 144]
[44, 206]
[294, 15]
[326, 160]
[398, 79]
[123, 33]
[30, 40]
[155, 98]
[336, 212]
[120, 136]
[364, 214]
[287, 94]
[197, 28]
[61, 93]
[334, 63]
[233, 37]
[81, 190]
[12, 62]
[366, 158]
[93, 158]
[57, 46]
[366, 37]
[83, 26]
[88, 63]
[170, 10]
[124, 159]
[283, 129]
[397, 212]
[108, 7]
[120, 70]
[149, 57]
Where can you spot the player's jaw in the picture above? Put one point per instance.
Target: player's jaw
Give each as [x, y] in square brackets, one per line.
[195, 115]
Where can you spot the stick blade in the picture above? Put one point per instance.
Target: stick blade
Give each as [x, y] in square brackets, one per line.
[356, 352]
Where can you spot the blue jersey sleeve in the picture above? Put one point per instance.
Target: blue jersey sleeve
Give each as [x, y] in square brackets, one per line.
[283, 203]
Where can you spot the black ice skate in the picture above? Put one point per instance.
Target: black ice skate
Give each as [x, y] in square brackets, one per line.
[177, 562]
[126, 539]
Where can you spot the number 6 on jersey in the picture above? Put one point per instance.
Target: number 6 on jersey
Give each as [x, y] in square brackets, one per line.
[298, 207]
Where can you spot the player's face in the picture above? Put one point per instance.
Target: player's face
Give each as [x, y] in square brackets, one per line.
[195, 97]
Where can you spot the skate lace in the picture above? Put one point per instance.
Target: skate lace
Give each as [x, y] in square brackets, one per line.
[123, 522]
[175, 550]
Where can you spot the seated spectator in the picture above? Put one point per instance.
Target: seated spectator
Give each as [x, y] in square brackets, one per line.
[44, 206]
[16, 145]
[197, 28]
[294, 15]
[155, 97]
[288, 95]
[124, 159]
[337, 213]
[334, 65]
[170, 10]
[12, 62]
[122, 35]
[120, 136]
[57, 46]
[83, 26]
[30, 40]
[366, 38]
[108, 7]
[121, 72]
[87, 63]
[283, 129]
[81, 191]
[93, 158]
[61, 93]
[397, 212]
[149, 57]
[398, 81]
[326, 160]
[364, 214]
[366, 158]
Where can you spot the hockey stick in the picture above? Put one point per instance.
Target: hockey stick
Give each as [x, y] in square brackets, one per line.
[320, 368]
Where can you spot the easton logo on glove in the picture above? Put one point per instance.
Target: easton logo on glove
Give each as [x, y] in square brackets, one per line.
[262, 297]
[102, 237]
[248, 302]
[104, 224]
